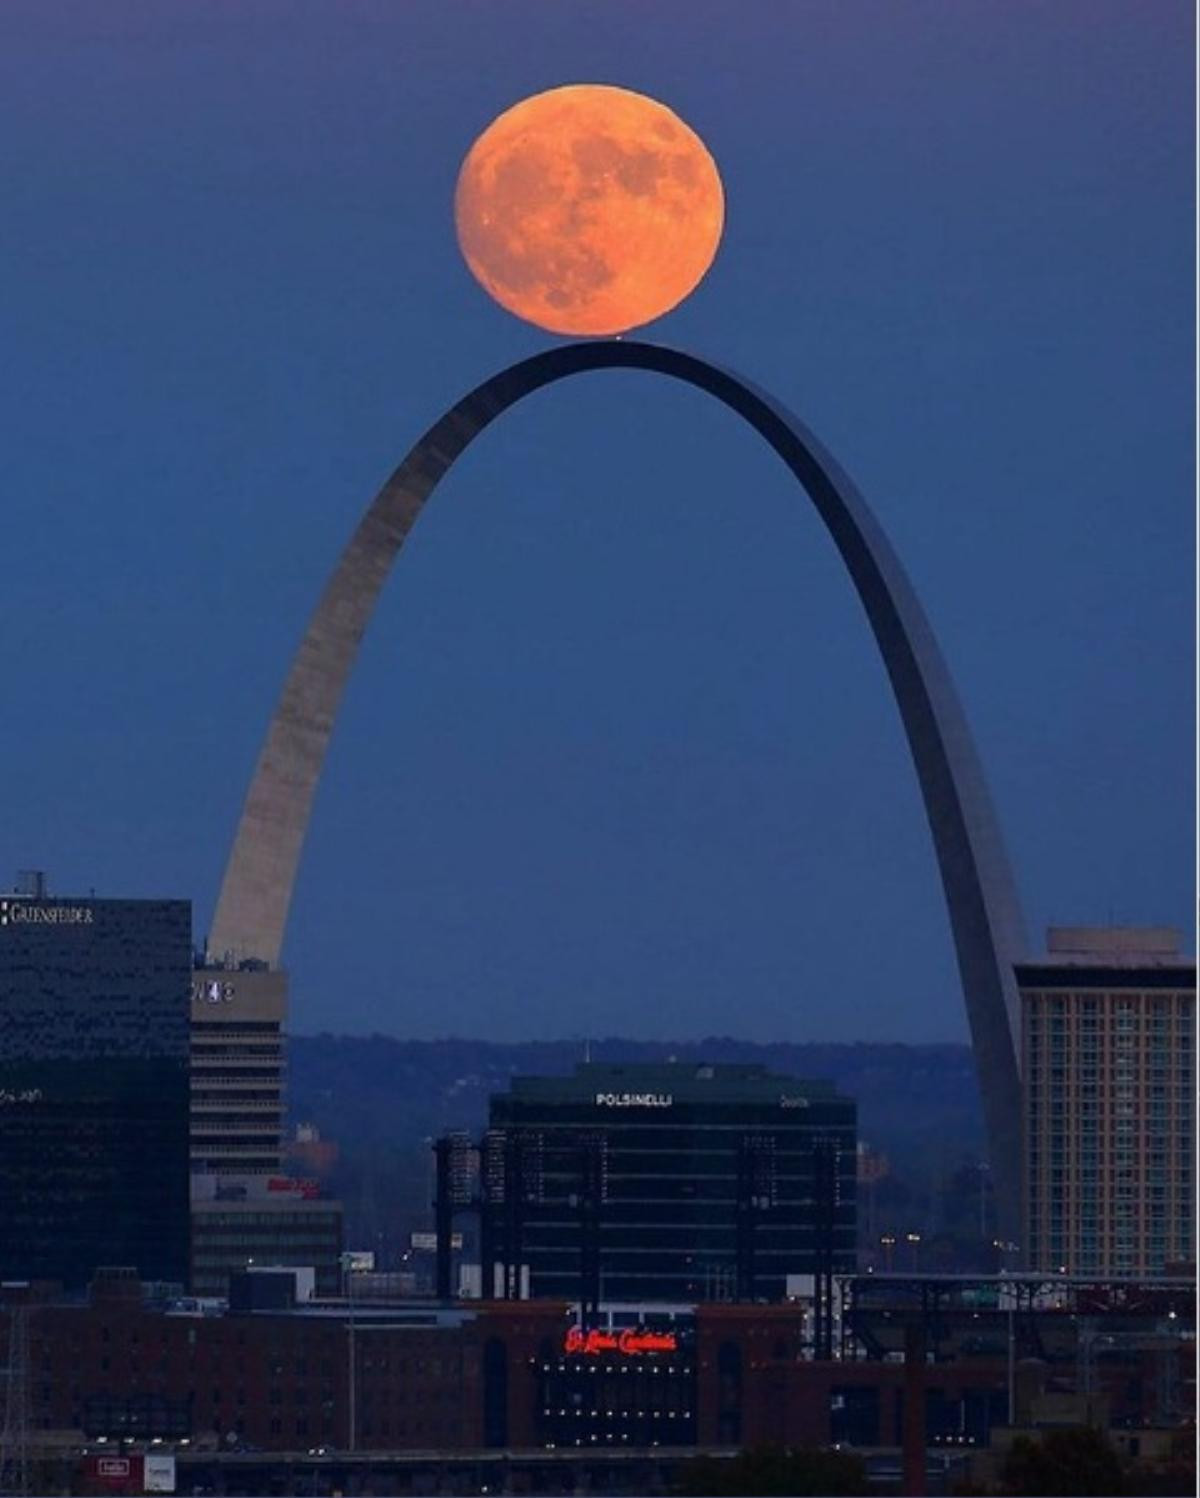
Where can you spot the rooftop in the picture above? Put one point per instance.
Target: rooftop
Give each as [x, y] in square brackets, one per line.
[1113, 947]
[680, 1082]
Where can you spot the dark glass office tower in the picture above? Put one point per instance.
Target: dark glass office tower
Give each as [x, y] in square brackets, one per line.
[94, 1001]
[666, 1183]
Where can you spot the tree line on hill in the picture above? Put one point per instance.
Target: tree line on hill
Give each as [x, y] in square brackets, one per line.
[383, 1100]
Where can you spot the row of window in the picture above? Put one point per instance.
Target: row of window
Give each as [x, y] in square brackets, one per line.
[1117, 1035]
[1124, 1235]
[248, 1049]
[366, 1428]
[1118, 1075]
[216, 1072]
[1091, 1181]
[1060, 1175]
[1181, 1003]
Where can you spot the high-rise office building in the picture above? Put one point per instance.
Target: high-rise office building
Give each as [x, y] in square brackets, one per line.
[93, 1086]
[1108, 1039]
[244, 1209]
[237, 1070]
[666, 1183]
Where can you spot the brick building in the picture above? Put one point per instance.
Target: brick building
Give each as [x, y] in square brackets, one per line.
[524, 1376]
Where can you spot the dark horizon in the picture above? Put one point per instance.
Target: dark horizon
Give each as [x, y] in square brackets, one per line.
[601, 1041]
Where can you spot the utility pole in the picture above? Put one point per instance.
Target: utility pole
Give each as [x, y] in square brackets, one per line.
[14, 1438]
[352, 1361]
[1012, 1359]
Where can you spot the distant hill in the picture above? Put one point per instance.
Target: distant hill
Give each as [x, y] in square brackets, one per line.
[381, 1099]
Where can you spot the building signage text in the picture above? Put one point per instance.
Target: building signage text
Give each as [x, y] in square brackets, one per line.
[634, 1100]
[212, 991]
[14, 913]
[629, 1343]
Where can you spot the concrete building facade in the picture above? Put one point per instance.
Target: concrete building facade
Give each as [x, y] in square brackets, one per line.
[237, 1071]
[244, 1208]
[1109, 1036]
[240, 1225]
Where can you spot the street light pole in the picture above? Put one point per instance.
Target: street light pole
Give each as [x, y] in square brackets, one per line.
[1012, 1362]
[352, 1370]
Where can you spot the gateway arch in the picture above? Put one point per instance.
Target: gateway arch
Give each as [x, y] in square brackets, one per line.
[981, 898]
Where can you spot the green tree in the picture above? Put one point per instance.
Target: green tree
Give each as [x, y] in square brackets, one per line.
[1173, 1478]
[774, 1472]
[1075, 1462]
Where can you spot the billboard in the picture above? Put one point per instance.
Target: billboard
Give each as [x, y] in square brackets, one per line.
[158, 1473]
[427, 1242]
[132, 1472]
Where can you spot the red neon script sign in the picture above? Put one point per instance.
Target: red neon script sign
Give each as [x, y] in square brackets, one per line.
[629, 1343]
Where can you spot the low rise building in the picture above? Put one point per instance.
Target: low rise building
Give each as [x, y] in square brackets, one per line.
[240, 1222]
[286, 1374]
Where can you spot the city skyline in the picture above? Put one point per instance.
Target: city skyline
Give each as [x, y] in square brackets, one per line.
[613, 739]
[668, 968]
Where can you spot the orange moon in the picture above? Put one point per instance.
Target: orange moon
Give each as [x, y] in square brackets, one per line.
[589, 210]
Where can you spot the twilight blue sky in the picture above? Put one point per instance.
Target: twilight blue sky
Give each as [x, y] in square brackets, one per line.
[619, 756]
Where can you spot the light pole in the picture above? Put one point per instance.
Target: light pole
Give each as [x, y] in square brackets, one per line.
[887, 1242]
[352, 1413]
[1012, 1363]
[914, 1242]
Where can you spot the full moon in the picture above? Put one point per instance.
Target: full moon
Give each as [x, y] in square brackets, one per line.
[589, 210]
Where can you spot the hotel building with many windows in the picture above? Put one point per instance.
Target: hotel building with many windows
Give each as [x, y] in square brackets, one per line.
[1109, 1068]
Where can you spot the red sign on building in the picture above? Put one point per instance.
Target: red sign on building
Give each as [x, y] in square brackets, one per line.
[114, 1474]
[628, 1343]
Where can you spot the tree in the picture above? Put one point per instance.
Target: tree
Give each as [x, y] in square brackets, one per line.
[774, 1472]
[1176, 1476]
[1075, 1462]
